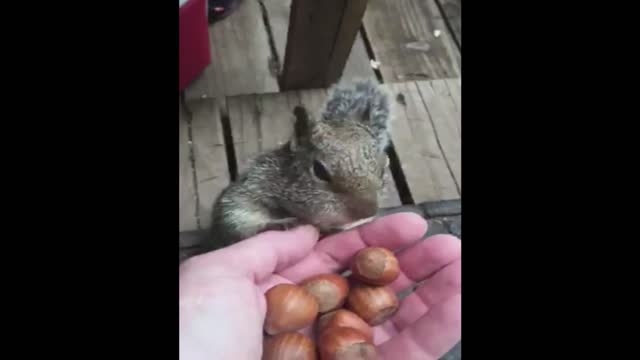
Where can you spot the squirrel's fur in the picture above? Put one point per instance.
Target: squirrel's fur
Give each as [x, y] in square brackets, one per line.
[327, 175]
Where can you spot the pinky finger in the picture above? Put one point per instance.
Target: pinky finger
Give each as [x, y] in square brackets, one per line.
[430, 337]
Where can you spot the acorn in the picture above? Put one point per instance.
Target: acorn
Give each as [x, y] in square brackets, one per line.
[289, 308]
[289, 346]
[344, 318]
[375, 266]
[330, 290]
[344, 343]
[373, 304]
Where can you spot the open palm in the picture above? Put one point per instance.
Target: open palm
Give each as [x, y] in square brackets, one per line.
[222, 305]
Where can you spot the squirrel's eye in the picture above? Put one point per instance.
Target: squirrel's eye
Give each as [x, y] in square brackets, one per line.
[320, 171]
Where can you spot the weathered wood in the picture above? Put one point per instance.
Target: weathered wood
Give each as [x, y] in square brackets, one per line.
[389, 196]
[453, 12]
[410, 40]
[187, 194]
[192, 238]
[210, 158]
[455, 89]
[353, 12]
[320, 37]
[416, 144]
[240, 57]
[313, 100]
[260, 123]
[277, 14]
[446, 123]
[358, 64]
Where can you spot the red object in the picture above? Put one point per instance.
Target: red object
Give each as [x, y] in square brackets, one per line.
[195, 54]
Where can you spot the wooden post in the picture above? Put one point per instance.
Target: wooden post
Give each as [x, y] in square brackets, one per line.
[321, 34]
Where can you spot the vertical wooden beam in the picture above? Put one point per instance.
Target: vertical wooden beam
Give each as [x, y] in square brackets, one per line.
[319, 41]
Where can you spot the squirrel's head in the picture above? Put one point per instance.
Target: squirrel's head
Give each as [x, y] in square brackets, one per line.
[340, 156]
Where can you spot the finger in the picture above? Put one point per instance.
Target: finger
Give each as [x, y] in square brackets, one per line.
[262, 255]
[333, 253]
[430, 337]
[438, 288]
[423, 259]
[272, 281]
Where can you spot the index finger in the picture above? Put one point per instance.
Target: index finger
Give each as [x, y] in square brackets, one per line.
[333, 253]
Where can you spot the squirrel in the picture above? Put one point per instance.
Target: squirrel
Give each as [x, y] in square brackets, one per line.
[327, 175]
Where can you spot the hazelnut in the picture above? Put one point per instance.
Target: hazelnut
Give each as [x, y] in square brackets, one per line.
[374, 304]
[375, 266]
[289, 346]
[344, 318]
[289, 308]
[330, 290]
[343, 343]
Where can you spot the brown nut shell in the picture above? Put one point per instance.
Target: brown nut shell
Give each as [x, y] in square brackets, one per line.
[289, 308]
[375, 266]
[344, 318]
[289, 346]
[343, 343]
[330, 290]
[374, 304]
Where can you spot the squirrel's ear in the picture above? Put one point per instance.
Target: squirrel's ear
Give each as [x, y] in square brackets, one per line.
[303, 124]
[364, 101]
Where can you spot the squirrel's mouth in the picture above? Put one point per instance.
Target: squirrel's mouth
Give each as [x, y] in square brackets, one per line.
[344, 225]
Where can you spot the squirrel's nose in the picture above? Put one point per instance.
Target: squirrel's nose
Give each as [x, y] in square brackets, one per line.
[364, 207]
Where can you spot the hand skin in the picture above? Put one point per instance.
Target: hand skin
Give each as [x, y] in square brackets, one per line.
[222, 304]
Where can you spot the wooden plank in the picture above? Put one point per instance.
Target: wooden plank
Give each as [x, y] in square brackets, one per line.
[415, 142]
[353, 12]
[210, 158]
[192, 238]
[240, 57]
[404, 40]
[358, 65]
[313, 100]
[455, 89]
[389, 196]
[319, 40]
[453, 12]
[187, 194]
[446, 122]
[260, 123]
[277, 13]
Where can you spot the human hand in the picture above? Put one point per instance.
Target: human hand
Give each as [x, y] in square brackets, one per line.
[222, 304]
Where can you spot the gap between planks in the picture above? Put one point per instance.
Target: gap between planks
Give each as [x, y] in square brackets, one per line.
[426, 136]
[188, 193]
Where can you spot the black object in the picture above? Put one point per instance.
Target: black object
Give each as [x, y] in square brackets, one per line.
[220, 9]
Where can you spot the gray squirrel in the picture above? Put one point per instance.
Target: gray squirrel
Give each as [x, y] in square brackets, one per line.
[328, 174]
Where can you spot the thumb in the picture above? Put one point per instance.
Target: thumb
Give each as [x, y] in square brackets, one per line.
[260, 256]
